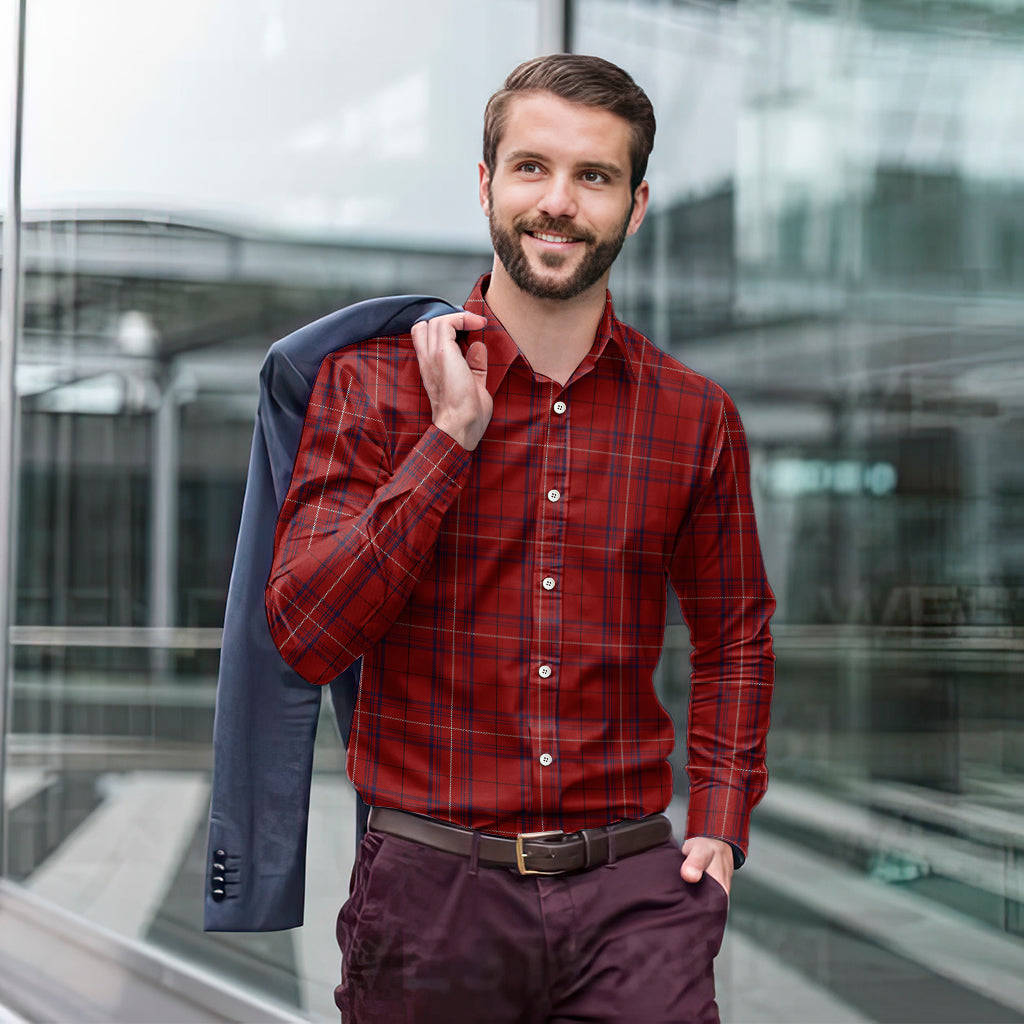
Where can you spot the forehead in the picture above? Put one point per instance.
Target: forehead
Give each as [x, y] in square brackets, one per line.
[542, 123]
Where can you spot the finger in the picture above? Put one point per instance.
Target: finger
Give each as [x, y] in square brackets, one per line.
[447, 326]
[695, 864]
[429, 336]
[419, 337]
[463, 320]
[691, 872]
[476, 356]
[441, 332]
[472, 321]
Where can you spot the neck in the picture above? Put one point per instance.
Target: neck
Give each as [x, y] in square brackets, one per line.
[554, 335]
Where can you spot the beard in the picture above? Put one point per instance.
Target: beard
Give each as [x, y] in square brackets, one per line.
[599, 255]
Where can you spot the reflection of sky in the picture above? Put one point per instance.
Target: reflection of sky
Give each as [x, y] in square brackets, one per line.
[809, 102]
[6, 84]
[363, 119]
[688, 60]
[340, 117]
[858, 98]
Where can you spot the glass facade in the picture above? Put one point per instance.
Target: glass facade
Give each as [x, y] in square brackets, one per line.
[836, 236]
[839, 244]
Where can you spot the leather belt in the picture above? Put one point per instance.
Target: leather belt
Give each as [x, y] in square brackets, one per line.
[530, 853]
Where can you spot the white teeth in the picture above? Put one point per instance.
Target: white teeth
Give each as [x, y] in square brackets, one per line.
[551, 238]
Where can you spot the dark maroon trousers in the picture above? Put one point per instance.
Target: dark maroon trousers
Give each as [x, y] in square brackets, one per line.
[430, 937]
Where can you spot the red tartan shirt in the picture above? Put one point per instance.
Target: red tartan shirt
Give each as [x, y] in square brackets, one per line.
[509, 603]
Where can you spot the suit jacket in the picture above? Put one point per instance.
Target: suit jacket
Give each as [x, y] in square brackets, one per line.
[266, 715]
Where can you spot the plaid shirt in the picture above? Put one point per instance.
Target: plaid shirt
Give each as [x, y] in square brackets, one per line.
[509, 603]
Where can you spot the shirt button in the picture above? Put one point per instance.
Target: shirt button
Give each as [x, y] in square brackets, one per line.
[553, 495]
[560, 407]
[544, 671]
[548, 583]
[546, 759]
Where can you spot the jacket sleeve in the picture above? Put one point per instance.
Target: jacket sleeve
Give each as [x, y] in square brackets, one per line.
[355, 532]
[718, 573]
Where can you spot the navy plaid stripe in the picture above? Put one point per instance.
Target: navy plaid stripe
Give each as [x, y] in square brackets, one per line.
[509, 603]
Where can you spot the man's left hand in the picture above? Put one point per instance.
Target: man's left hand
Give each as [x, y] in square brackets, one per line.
[711, 855]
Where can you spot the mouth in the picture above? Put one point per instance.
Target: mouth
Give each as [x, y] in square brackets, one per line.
[545, 236]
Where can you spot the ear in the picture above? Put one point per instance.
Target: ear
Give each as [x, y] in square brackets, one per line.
[640, 199]
[485, 183]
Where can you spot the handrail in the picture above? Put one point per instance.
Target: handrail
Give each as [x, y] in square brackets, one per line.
[54, 963]
[168, 637]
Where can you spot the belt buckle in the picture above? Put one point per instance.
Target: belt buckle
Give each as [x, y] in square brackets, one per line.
[521, 857]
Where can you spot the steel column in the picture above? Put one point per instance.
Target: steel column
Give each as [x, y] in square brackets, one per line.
[10, 321]
[554, 33]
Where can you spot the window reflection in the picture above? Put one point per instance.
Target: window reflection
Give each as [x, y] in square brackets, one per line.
[854, 282]
[836, 236]
[209, 178]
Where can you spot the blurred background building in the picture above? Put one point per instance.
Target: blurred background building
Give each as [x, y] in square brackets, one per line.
[836, 236]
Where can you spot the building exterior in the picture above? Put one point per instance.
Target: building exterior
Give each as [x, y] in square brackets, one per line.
[836, 236]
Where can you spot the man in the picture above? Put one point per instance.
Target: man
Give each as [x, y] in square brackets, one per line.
[489, 512]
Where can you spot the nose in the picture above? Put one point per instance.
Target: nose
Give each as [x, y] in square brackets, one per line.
[559, 198]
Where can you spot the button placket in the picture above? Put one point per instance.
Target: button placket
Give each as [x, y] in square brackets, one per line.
[552, 514]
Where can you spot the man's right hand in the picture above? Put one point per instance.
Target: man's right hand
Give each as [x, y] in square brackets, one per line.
[456, 385]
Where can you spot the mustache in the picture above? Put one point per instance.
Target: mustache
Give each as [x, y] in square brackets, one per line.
[552, 226]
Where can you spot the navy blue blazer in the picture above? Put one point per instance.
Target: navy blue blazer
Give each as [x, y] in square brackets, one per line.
[266, 714]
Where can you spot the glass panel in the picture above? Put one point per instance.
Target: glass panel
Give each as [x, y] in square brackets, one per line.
[200, 179]
[836, 236]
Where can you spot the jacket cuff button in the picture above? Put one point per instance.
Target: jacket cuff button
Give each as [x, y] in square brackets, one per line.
[217, 894]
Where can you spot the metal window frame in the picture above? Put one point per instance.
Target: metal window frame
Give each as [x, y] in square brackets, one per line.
[555, 19]
[10, 324]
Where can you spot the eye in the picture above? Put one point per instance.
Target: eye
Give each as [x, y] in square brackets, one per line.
[529, 167]
[594, 177]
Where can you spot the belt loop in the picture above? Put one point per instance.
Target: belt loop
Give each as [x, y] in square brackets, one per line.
[611, 848]
[585, 835]
[474, 854]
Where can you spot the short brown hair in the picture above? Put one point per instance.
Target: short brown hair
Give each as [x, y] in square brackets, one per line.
[591, 81]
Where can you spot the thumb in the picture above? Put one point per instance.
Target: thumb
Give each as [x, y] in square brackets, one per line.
[476, 356]
[694, 864]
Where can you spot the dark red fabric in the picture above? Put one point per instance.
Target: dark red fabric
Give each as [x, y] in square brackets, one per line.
[425, 939]
[510, 603]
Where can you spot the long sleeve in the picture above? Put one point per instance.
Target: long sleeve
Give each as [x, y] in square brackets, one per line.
[355, 532]
[717, 572]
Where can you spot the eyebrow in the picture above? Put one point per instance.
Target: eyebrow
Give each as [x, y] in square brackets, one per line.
[613, 171]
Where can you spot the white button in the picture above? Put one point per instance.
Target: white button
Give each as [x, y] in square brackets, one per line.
[553, 495]
[546, 759]
[560, 407]
[544, 671]
[548, 583]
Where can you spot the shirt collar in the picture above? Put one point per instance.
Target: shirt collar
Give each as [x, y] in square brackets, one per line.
[610, 341]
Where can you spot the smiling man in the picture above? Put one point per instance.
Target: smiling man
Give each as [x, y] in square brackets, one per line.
[489, 511]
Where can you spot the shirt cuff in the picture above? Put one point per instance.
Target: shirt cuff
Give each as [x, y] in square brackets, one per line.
[439, 453]
[427, 482]
[720, 812]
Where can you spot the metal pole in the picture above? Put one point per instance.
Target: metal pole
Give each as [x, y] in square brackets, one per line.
[553, 23]
[163, 547]
[10, 318]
